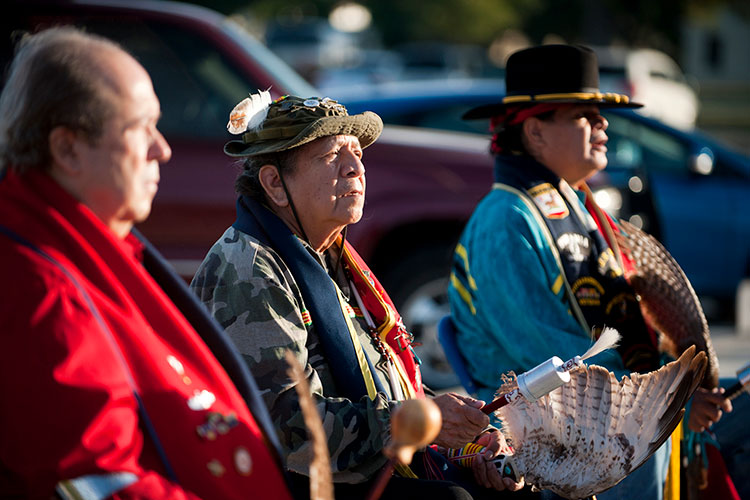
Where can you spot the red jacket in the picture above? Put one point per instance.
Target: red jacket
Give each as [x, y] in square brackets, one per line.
[66, 406]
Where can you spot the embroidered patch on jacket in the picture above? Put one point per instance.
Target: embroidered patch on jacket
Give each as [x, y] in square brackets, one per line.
[550, 202]
[574, 246]
[216, 424]
[306, 318]
[588, 291]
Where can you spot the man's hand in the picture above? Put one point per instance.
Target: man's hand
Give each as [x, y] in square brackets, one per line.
[485, 472]
[462, 419]
[707, 408]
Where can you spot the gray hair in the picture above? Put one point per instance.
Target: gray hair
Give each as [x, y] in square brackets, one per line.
[248, 181]
[55, 79]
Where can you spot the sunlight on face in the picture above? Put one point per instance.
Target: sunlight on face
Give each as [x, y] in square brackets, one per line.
[120, 171]
[575, 142]
[328, 183]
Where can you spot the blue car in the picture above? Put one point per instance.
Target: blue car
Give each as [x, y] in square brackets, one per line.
[682, 187]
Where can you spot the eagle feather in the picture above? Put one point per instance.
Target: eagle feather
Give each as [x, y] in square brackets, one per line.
[586, 436]
[667, 299]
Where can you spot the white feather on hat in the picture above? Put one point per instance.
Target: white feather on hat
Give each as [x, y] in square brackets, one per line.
[249, 113]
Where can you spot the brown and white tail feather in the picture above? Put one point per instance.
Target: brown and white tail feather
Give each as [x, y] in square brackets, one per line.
[668, 300]
[587, 435]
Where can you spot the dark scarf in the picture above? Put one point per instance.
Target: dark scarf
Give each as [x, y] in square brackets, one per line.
[318, 291]
[615, 305]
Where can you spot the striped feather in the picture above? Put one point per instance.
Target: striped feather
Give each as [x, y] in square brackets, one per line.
[668, 300]
[588, 435]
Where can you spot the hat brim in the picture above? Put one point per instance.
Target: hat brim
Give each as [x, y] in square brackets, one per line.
[607, 101]
[366, 126]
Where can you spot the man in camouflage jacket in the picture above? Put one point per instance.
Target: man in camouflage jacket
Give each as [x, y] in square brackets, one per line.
[253, 295]
[302, 183]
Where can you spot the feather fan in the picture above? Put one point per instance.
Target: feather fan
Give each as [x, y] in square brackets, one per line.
[668, 301]
[587, 435]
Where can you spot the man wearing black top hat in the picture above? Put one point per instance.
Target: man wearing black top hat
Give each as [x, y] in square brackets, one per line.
[534, 275]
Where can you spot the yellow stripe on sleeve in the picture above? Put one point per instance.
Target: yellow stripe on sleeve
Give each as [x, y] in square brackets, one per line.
[463, 292]
[461, 252]
[557, 285]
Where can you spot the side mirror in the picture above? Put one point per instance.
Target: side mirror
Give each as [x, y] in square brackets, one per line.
[702, 162]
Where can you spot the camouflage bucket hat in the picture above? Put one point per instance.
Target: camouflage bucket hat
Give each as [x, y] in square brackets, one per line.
[271, 126]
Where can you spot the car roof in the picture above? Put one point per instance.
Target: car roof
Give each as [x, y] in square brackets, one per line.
[184, 10]
[425, 89]
[420, 94]
[416, 96]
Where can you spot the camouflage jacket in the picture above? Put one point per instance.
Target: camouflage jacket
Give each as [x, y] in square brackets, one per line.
[251, 292]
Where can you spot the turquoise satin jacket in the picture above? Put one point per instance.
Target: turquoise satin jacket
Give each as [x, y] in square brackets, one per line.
[507, 294]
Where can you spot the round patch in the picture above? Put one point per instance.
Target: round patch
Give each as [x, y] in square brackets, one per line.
[574, 246]
[242, 461]
[311, 103]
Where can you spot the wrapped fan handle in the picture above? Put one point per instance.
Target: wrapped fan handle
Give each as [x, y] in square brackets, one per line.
[464, 457]
[536, 382]
[553, 373]
[743, 376]
[506, 467]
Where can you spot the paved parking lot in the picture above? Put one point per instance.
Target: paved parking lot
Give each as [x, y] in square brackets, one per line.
[733, 349]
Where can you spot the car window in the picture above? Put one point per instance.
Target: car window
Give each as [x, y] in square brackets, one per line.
[195, 84]
[443, 118]
[633, 144]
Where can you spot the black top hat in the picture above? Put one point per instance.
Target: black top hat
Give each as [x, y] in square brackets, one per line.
[552, 74]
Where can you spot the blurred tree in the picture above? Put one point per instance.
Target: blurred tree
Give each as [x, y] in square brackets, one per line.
[472, 21]
[632, 22]
[466, 21]
[602, 22]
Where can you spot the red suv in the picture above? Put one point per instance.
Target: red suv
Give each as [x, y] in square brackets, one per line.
[422, 185]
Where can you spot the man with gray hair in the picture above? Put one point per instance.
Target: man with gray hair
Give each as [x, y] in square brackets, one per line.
[108, 390]
[284, 278]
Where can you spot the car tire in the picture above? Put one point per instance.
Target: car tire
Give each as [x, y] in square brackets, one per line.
[418, 285]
